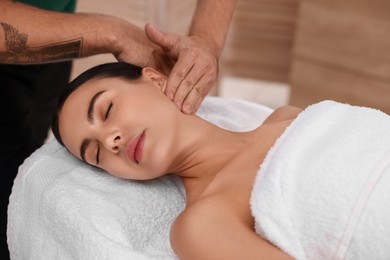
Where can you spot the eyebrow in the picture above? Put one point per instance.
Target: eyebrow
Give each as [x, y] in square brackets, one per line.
[91, 106]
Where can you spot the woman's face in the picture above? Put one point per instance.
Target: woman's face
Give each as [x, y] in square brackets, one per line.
[124, 127]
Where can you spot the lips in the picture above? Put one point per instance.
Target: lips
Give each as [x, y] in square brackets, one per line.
[135, 148]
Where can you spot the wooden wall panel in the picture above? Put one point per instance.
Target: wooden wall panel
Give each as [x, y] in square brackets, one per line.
[322, 82]
[260, 38]
[342, 52]
[179, 15]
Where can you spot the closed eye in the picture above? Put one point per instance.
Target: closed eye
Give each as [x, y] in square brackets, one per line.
[98, 155]
[108, 111]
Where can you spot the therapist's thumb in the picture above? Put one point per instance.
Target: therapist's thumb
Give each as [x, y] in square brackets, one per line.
[162, 39]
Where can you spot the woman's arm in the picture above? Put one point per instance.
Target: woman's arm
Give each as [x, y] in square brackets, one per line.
[32, 35]
[210, 231]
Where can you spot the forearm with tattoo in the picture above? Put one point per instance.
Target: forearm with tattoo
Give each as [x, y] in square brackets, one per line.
[31, 35]
[18, 50]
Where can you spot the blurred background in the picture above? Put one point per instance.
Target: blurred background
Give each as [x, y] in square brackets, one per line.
[283, 51]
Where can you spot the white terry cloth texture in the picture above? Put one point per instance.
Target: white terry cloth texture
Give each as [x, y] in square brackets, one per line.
[61, 208]
[323, 190]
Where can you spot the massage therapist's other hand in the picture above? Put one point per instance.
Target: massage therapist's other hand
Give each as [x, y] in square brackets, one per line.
[195, 71]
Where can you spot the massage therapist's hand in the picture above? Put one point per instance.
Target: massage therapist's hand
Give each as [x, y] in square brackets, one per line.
[195, 71]
[131, 45]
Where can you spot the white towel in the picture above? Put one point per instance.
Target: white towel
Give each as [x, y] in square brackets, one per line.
[323, 190]
[61, 208]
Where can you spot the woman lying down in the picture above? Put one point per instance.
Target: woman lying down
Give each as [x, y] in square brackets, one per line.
[304, 185]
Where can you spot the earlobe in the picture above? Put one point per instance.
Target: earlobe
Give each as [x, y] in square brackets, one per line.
[158, 79]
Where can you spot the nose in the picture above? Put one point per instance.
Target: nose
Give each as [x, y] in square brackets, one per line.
[112, 141]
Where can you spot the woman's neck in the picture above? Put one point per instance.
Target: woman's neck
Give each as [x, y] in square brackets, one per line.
[205, 150]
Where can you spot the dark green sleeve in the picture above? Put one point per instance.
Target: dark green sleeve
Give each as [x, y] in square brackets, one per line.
[68, 6]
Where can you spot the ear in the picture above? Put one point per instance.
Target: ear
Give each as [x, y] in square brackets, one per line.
[158, 79]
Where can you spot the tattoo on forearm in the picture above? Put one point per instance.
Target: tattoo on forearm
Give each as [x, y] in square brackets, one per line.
[17, 49]
[15, 42]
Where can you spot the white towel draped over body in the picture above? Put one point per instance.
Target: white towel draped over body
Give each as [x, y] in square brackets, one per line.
[323, 190]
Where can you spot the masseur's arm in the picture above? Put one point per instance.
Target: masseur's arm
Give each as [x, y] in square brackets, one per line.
[197, 55]
[31, 35]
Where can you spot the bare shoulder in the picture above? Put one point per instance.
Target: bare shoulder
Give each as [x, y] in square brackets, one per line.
[283, 113]
[210, 230]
